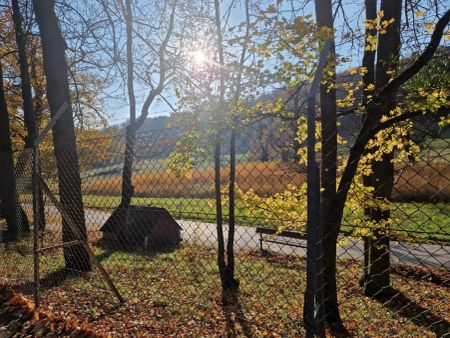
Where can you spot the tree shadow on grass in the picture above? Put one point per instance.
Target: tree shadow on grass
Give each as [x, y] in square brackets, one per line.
[105, 255]
[421, 316]
[338, 330]
[236, 323]
[5, 237]
[420, 273]
[51, 280]
[111, 248]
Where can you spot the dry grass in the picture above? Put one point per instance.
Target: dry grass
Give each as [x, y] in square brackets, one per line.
[419, 181]
[263, 177]
[423, 181]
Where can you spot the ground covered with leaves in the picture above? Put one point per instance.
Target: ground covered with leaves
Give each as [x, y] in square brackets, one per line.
[19, 319]
[178, 293]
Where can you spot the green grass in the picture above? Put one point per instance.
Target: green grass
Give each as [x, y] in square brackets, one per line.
[416, 221]
[436, 149]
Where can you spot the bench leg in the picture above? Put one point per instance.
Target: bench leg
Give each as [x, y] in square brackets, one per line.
[261, 242]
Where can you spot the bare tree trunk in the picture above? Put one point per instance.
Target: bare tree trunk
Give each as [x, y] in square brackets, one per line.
[219, 216]
[58, 93]
[28, 109]
[30, 117]
[217, 154]
[121, 217]
[328, 168]
[38, 107]
[232, 217]
[130, 140]
[378, 265]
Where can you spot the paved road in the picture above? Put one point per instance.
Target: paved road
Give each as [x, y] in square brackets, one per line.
[437, 256]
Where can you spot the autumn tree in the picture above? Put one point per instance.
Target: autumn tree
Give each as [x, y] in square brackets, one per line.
[220, 83]
[380, 136]
[377, 280]
[58, 95]
[328, 165]
[30, 116]
[10, 208]
[368, 62]
[131, 18]
[375, 121]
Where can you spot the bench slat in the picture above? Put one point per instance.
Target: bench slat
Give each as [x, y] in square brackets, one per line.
[285, 233]
[286, 243]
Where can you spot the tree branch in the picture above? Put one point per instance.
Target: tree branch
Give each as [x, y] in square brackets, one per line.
[400, 118]
[154, 92]
[422, 60]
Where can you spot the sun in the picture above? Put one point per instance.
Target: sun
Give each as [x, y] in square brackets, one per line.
[199, 57]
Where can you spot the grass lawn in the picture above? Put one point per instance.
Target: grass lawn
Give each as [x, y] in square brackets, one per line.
[177, 293]
[424, 221]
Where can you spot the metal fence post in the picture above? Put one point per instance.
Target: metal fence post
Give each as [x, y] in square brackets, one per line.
[36, 225]
[35, 192]
[313, 307]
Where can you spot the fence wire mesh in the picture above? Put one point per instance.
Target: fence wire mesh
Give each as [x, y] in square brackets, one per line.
[161, 249]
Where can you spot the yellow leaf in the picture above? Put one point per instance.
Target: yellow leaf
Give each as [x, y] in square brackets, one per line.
[419, 14]
[271, 9]
[36, 316]
[135, 300]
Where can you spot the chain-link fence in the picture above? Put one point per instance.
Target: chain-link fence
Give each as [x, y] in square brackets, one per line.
[157, 238]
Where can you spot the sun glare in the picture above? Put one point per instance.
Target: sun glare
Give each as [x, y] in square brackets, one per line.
[199, 57]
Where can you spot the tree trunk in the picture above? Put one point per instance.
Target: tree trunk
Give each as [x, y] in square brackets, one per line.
[264, 141]
[30, 117]
[219, 217]
[130, 138]
[230, 280]
[329, 169]
[296, 145]
[58, 93]
[8, 192]
[377, 280]
[368, 78]
[229, 285]
[371, 120]
[127, 185]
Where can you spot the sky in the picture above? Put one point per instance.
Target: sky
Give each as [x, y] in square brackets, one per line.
[118, 112]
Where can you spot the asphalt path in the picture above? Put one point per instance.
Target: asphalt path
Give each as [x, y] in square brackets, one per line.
[203, 233]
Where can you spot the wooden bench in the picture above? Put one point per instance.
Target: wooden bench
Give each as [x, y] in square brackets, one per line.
[272, 236]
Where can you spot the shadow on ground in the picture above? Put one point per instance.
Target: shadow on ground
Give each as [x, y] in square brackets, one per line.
[235, 320]
[51, 280]
[421, 316]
